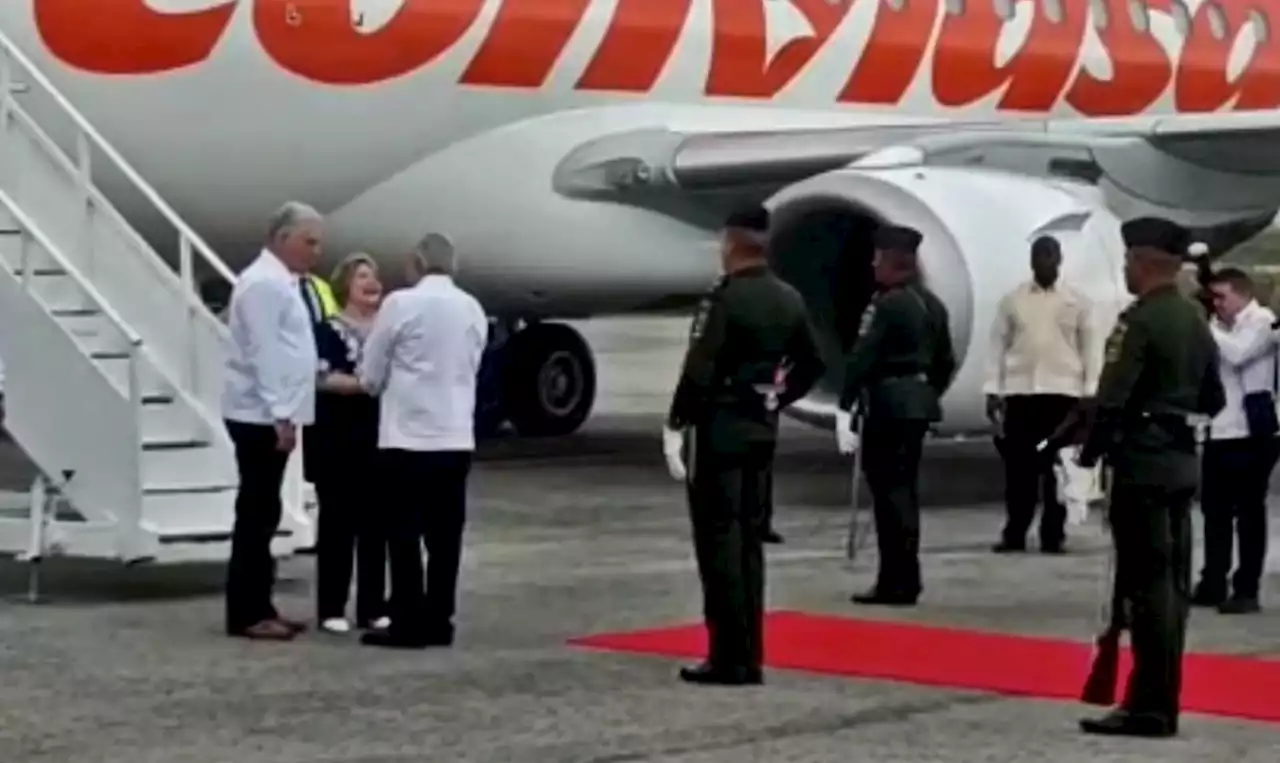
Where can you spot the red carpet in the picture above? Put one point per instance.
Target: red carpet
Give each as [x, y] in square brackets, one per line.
[1236, 687]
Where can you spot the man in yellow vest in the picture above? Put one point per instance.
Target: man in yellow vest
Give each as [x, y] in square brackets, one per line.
[324, 292]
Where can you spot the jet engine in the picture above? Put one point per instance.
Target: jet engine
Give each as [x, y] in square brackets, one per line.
[978, 226]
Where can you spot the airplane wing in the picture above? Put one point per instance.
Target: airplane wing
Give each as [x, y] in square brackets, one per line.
[1207, 170]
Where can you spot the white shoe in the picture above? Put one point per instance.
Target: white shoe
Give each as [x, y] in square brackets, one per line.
[381, 624]
[336, 625]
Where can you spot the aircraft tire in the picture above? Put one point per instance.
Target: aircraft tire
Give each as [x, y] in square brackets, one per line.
[549, 380]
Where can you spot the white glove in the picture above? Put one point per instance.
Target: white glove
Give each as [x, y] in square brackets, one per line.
[846, 438]
[672, 448]
[1077, 486]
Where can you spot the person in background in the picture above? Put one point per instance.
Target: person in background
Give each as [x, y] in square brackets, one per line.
[1242, 447]
[270, 392]
[1044, 362]
[344, 440]
[321, 306]
[423, 357]
[897, 370]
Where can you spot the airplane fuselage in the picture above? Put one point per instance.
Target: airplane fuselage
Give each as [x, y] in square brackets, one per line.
[399, 117]
[231, 107]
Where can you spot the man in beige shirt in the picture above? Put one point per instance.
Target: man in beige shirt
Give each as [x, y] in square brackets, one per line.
[1043, 362]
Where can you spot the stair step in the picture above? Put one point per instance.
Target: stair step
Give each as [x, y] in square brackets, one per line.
[75, 312]
[43, 272]
[163, 444]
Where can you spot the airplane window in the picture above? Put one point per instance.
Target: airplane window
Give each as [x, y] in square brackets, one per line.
[955, 7]
[1138, 15]
[1101, 14]
[1261, 30]
[1053, 10]
[1181, 18]
[1004, 9]
[1217, 22]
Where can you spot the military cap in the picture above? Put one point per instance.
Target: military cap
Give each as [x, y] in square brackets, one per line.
[898, 238]
[755, 219]
[1156, 233]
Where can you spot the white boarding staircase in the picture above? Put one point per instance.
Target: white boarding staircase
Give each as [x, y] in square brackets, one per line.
[113, 362]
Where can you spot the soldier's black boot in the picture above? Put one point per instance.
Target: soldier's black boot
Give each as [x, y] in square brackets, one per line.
[707, 675]
[1240, 605]
[886, 598]
[1123, 723]
[1208, 595]
[771, 535]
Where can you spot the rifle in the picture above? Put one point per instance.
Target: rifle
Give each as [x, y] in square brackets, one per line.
[1104, 673]
[857, 534]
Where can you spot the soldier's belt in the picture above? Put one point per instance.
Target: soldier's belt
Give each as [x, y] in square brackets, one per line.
[919, 376]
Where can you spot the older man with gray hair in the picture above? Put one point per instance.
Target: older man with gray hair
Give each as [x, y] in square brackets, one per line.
[269, 393]
[423, 356]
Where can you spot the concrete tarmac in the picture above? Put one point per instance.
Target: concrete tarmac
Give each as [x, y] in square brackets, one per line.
[567, 538]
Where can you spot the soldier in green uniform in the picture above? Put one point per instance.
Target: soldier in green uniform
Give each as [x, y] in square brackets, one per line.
[1161, 372]
[751, 353]
[898, 369]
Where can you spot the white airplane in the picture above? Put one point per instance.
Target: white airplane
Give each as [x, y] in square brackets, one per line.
[582, 152]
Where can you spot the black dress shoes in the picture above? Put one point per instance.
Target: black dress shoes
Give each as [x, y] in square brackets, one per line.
[392, 639]
[1124, 723]
[885, 598]
[1239, 605]
[1208, 596]
[706, 675]
[771, 536]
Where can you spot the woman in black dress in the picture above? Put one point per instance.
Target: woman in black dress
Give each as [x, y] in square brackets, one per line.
[346, 440]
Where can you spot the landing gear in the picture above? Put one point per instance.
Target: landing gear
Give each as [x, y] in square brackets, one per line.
[541, 378]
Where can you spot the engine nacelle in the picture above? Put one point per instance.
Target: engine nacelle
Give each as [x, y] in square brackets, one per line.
[978, 226]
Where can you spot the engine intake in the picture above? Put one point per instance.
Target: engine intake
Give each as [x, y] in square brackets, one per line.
[978, 226]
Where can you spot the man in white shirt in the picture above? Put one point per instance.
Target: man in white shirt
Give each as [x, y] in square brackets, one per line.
[1238, 458]
[1043, 360]
[269, 394]
[423, 357]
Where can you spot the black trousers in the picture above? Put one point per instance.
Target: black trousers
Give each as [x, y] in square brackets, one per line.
[251, 572]
[1029, 477]
[427, 503]
[891, 461]
[1233, 498]
[766, 521]
[726, 493]
[1151, 528]
[351, 524]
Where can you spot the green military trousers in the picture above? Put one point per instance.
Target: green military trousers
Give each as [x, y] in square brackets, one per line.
[1151, 528]
[728, 496]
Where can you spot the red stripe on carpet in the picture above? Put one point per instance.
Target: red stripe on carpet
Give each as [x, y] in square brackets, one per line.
[1222, 685]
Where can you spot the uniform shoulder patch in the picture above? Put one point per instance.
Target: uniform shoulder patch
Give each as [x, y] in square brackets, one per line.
[1115, 340]
[703, 310]
[868, 315]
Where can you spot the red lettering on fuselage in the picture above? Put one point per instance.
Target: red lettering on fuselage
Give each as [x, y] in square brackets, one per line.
[964, 58]
[319, 39]
[739, 56]
[127, 36]
[893, 54]
[637, 45]
[525, 42]
[1202, 83]
[1140, 68]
